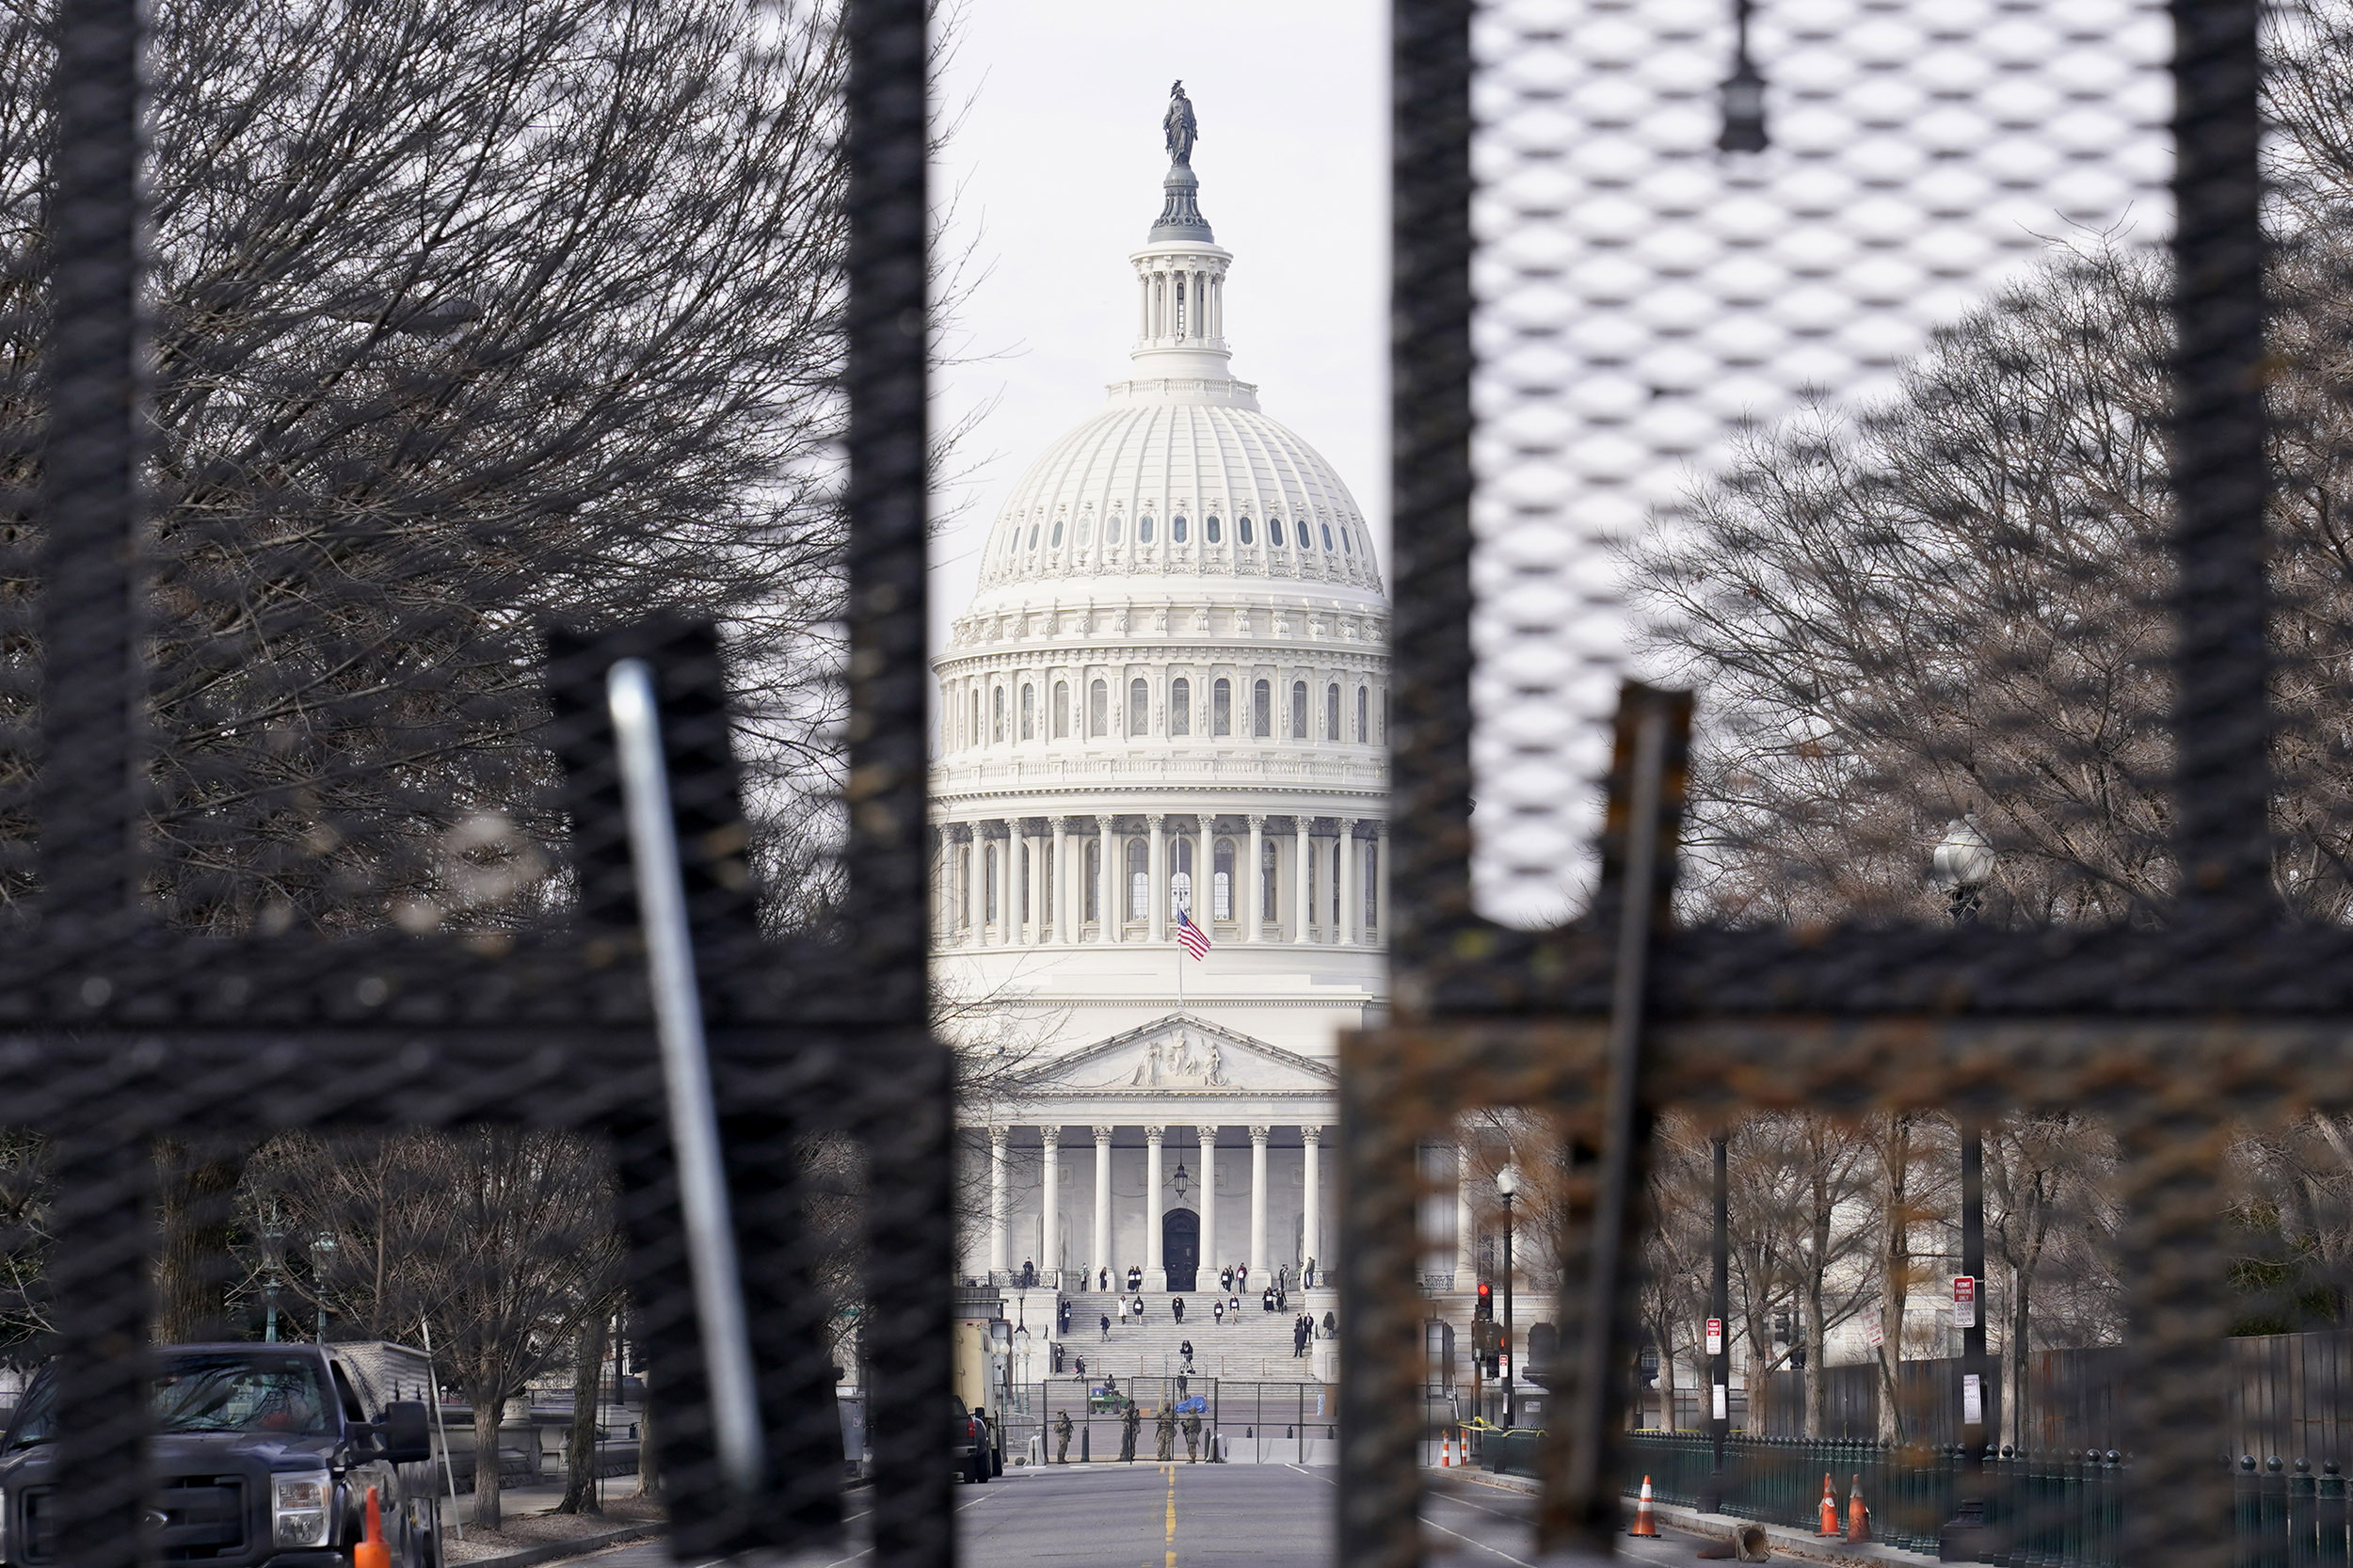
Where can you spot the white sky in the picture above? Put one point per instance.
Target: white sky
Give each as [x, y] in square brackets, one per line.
[1053, 175]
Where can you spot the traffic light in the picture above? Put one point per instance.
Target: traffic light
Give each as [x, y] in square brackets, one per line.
[1486, 1310]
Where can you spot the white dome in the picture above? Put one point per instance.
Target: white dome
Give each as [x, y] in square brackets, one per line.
[1183, 477]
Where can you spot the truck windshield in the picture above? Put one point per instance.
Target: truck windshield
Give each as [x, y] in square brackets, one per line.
[216, 1391]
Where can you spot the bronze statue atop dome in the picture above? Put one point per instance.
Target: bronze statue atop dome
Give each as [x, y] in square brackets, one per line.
[1178, 127]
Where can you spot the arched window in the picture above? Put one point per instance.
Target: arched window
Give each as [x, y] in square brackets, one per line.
[1222, 881]
[1091, 899]
[1177, 529]
[1180, 707]
[1245, 531]
[1262, 709]
[1221, 707]
[1034, 536]
[997, 715]
[1360, 714]
[1372, 885]
[1331, 713]
[1139, 880]
[1139, 707]
[1086, 532]
[1143, 529]
[1180, 881]
[1274, 530]
[1327, 535]
[988, 886]
[1111, 529]
[1299, 710]
[1346, 548]
[972, 731]
[1216, 530]
[1055, 543]
[1061, 711]
[1270, 876]
[1099, 709]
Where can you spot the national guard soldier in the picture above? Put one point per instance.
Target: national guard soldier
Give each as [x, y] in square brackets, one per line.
[1165, 1429]
[1193, 1439]
[1129, 1423]
[1062, 1437]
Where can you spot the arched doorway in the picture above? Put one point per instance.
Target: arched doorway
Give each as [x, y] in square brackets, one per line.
[1180, 1247]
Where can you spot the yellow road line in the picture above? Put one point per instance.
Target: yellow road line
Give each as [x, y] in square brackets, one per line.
[1172, 1516]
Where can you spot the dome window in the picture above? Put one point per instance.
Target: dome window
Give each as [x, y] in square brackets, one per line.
[1111, 529]
[1180, 707]
[1061, 711]
[1331, 713]
[1086, 533]
[1139, 880]
[1262, 710]
[1216, 533]
[1221, 883]
[1143, 529]
[1034, 536]
[1299, 710]
[1222, 708]
[1346, 548]
[1029, 710]
[1245, 532]
[1327, 537]
[1139, 707]
[996, 717]
[1099, 709]
[1177, 529]
[1055, 542]
[1362, 727]
[1274, 530]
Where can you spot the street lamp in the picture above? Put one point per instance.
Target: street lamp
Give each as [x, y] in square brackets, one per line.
[1182, 1179]
[1741, 95]
[1507, 1188]
[1963, 866]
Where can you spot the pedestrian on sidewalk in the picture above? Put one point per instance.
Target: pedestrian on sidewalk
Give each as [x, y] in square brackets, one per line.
[1107, 1326]
[1177, 1307]
[1164, 1429]
[1062, 1437]
[1129, 1424]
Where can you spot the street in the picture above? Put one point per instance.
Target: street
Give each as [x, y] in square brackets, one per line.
[1150, 1515]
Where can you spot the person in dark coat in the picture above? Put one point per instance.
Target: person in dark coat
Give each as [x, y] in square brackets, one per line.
[1241, 1276]
[1177, 1308]
[1226, 1280]
[1102, 1279]
[1266, 1298]
[1233, 1308]
[1029, 1273]
[1138, 1308]
[1307, 1278]
[1129, 1424]
[1135, 1279]
[1062, 1437]
[1062, 1319]
[1185, 1350]
[1107, 1327]
[1217, 1310]
[1331, 1326]
[1082, 1370]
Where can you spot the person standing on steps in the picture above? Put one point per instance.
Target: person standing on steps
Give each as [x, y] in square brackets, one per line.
[1241, 1276]
[1217, 1310]
[1129, 1423]
[1233, 1308]
[1164, 1429]
[1103, 1279]
[1081, 1372]
[1226, 1280]
[1185, 1350]
[1176, 1307]
[1107, 1327]
[1062, 1437]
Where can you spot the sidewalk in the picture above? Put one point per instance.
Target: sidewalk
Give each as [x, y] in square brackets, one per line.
[1785, 1541]
[530, 1531]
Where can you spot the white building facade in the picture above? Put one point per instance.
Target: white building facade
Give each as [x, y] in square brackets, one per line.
[1166, 701]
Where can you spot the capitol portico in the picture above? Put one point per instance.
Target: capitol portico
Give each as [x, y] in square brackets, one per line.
[1166, 703]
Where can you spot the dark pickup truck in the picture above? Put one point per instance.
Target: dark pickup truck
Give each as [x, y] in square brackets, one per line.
[262, 1456]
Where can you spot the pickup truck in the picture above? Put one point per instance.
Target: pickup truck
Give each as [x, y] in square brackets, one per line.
[263, 1457]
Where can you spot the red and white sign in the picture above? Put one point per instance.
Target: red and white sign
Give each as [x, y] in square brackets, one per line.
[1964, 1302]
[1715, 1337]
[1873, 1326]
[1503, 1366]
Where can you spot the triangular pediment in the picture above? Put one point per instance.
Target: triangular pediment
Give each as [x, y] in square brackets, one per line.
[1181, 1054]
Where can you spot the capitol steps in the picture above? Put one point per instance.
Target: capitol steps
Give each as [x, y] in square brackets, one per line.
[1252, 1346]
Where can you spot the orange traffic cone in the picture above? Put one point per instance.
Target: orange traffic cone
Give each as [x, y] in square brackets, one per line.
[1645, 1521]
[373, 1552]
[1857, 1516]
[1830, 1507]
[1446, 1451]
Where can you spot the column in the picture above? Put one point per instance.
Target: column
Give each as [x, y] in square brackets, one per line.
[1049, 1200]
[975, 894]
[1205, 872]
[1258, 1206]
[1102, 1248]
[997, 1136]
[1209, 1263]
[1305, 833]
[1153, 1278]
[1035, 844]
[1156, 881]
[1009, 887]
[1465, 1223]
[1351, 869]
[1311, 1216]
[1380, 880]
[1059, 869]
[1252, 891]
[1107, 904]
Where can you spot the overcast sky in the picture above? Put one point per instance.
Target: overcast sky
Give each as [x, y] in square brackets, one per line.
[1053, 175]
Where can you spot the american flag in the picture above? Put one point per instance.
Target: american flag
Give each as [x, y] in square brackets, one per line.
[1190, 937]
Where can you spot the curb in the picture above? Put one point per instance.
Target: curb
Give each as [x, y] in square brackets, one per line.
[551, 1551]
[1787, 1542]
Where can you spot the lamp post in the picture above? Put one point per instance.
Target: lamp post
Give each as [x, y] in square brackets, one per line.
[1508, 1188]
[1963, 866]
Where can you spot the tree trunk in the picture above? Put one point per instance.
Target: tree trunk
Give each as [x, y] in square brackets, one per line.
[649, 1471]
[196, 1214]
[1667, 1419]
[1895, 1275]
[489, 1409]
[580, 1454]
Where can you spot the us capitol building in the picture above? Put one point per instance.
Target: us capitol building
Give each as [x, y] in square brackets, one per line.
[1167, 695]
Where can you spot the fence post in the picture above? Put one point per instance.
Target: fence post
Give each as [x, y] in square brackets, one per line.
[2247, 1515]
[2329, 1517]
[2274, 1492]
[2302, 1545]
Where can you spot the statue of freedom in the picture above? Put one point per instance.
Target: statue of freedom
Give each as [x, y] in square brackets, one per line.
[1178, 126]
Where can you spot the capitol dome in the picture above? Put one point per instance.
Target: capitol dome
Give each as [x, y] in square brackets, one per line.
[1163, 723]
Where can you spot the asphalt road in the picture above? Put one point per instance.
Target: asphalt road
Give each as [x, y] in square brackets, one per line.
[1149, 1515]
